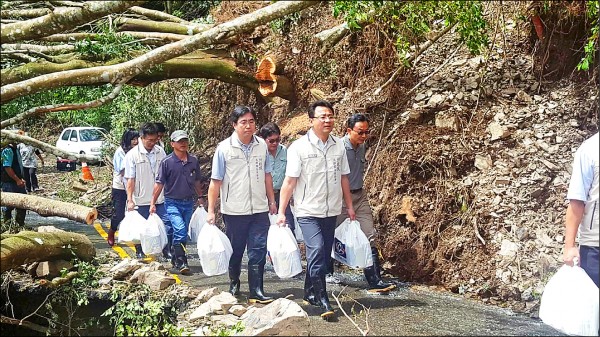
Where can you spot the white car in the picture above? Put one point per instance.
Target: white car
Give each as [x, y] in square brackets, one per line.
[82, 140]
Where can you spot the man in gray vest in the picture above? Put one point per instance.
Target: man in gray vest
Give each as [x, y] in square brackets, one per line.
[141, 169]
[241, 174]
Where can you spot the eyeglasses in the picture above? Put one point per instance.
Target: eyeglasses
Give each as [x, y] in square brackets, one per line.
[325, 118]
[361, 133]
[274, 140]
[246, 122]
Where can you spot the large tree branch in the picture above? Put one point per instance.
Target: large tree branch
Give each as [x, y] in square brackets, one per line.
[157, 15]
[127, 70]
[60, 20]
[158, 26]
[52, 50]
[50, 207]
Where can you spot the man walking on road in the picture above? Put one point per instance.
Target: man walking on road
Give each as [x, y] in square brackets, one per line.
[357, 132]
[582, 212]
[141, 168]
[241, 174]
[317, 174]
[179, 175]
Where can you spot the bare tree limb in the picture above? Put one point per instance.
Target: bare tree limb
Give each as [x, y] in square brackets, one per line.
[55, 49]
[61, 19]
[157, 15]
[125, 71]
[27, 324]
[63, 107]
[337, 300]
[419, 51]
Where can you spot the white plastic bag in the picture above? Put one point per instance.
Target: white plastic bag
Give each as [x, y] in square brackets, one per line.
[131, 227]
[351, 246]
[196, 223]
[283, 251]
[570, 302]
[214, 250]
[154, 236]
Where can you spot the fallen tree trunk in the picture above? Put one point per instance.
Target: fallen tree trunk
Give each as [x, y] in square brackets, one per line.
[27, 247]
[271, 82]
[49, 207]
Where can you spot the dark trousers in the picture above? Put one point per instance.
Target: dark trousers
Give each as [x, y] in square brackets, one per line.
[318, 239]
[289, 216]
[119, 202]
[247, 230]
[21, 213]
[31, 180]
[590, 262]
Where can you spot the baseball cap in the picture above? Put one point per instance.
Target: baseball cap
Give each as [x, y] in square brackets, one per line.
[178, 135]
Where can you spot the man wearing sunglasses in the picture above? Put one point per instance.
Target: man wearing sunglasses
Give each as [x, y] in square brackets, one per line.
[357, 132]
[317, 174]
[271, 133]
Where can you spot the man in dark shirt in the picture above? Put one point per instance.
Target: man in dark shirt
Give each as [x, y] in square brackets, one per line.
[179, 175]
[12, 179]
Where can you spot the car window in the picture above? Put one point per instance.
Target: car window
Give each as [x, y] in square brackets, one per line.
[74, 136]
[91, 135]
[66, 134]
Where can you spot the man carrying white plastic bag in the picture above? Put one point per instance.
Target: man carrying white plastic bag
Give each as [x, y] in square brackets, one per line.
[570, 302]
[198, 220]
[131, 227]
[283, 250]
[351, 246]
[214, 250]
[154, 236]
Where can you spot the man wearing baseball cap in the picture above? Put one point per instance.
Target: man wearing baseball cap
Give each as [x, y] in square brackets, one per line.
[179, 176]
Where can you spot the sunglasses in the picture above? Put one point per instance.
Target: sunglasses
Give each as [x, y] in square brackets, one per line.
[274, 140]
[360, 133]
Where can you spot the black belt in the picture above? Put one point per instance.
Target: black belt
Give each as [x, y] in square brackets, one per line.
[356, 190]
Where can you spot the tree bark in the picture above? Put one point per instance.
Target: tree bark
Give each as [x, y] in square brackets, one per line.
[270, 82]
[124, 72]
[27, 247]
[61, 19]
[156, 15]
[161, 27]
[49, 207]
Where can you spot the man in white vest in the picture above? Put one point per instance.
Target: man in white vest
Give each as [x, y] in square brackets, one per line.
[141, 169]
[317, 174]
[582, 212]
[241, 175]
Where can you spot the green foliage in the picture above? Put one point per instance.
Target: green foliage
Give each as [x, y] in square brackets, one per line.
[591, 47]
[108, 45]
[283, 25]
[410, 21]
[222, 330]
[138, 312]
[323, 70]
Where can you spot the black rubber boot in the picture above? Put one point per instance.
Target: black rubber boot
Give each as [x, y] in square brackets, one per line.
[309, 292]
[234, 279]
[139, 253]
[320, 290]
[167, 251]
[255, 282]
[373, 276]
[181, 262]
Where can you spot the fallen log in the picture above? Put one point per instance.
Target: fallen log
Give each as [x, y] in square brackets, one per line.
[271, 82]
[49, 207]
[27, 247]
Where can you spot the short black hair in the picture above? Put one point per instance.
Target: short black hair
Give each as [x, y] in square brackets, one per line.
[269, 129]
[352, 120]
[127, 137]
[148, 129]
[314, 105]
[161, 127]
[239, 111]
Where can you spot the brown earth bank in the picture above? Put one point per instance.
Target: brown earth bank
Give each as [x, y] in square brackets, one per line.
[469, 158]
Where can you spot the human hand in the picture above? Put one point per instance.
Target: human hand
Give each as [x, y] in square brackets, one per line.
[272, 208]
[570, 255]
[351, 214]
[130, 205]
[210, 218]
[152, 209]
[20, 182]
[281, 220]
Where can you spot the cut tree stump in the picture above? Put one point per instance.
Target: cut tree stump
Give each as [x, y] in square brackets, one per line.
[49, 207]
[271, 82]
[27, 247]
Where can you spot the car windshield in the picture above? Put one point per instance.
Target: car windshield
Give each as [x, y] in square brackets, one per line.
[91, 135]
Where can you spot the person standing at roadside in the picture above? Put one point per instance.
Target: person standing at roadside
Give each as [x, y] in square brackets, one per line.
[357, 132]
[141, 169]
[161, 133]
[317, 175]
[12, 179]
[28, 154]
[179, 176]
[129, 140]
[582, 212]
[241, 175]
[271, 133]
